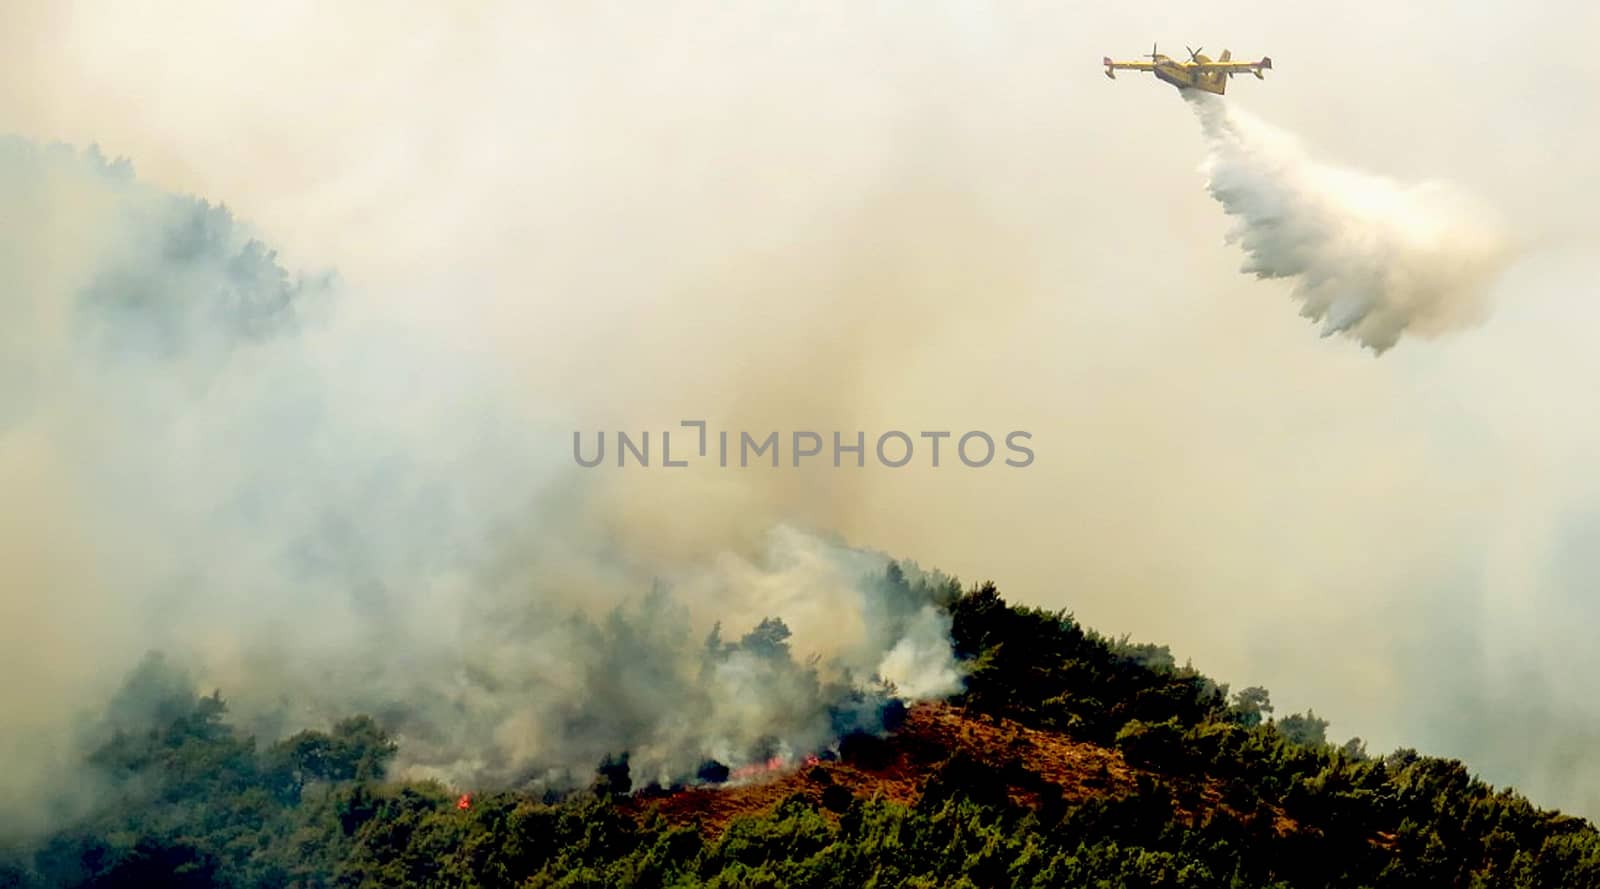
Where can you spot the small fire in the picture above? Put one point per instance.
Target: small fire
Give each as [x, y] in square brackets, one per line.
[465, 802]
[771, 764]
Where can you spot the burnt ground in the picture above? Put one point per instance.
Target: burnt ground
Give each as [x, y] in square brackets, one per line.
[1037, 768]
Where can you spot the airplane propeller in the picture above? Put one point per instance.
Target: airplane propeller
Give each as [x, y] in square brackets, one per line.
[1193, 53]
[1153, 53]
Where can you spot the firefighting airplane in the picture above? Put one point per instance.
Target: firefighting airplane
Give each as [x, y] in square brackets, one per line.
[1198, 73]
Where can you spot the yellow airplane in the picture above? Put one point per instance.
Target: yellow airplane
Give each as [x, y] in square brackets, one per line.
[1199, 73]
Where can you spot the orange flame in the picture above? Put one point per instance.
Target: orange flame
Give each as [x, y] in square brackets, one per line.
[773, 764]
[465, 802]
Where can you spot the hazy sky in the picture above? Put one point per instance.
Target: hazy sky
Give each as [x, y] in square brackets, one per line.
[941, 216]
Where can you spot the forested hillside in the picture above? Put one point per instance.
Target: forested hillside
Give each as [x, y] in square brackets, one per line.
[1071, 759]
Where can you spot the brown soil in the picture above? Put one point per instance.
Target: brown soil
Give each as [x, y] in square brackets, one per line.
[897, 768]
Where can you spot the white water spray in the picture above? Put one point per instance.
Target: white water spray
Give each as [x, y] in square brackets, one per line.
[1371, 258]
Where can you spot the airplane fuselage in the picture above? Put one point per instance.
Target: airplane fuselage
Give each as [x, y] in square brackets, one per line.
[1184, 78]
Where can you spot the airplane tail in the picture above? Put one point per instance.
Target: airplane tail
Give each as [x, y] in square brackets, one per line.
[1110, 71]
[1265, 63]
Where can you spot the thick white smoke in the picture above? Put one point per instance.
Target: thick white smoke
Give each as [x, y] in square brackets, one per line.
[1371, 258]
[320, 511]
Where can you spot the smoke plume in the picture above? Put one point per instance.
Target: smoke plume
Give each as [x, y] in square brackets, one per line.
[1371, 259]
[320, 513]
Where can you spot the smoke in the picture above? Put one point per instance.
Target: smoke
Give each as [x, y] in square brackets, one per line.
[1371, 259]
[321, 512]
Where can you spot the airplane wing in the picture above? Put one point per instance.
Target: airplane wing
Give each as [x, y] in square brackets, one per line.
[1229, 66]
[1125, 66]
